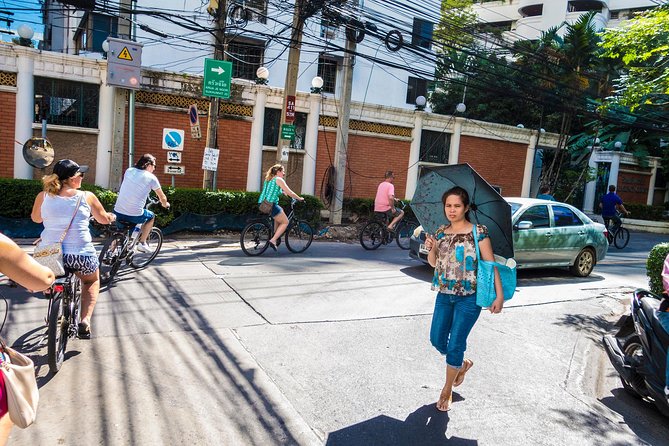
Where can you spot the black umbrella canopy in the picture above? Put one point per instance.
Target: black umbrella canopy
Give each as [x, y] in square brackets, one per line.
[487, 205]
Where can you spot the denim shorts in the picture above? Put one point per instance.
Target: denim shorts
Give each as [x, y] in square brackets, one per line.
[276, 210]
[136, 219]
[81, 263]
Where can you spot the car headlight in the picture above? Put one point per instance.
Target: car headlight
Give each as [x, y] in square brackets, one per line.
[417, 231]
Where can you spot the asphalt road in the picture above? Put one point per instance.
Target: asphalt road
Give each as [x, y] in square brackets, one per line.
[208, 346]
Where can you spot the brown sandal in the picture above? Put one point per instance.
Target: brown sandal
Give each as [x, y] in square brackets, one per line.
[466, 365]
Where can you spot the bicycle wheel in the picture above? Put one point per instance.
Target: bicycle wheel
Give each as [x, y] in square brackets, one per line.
[57, 335]
[255, 238]
[622, 238]
[371, 236]
[299, 236]
[403, 233]
[110, 257]
[140, 259]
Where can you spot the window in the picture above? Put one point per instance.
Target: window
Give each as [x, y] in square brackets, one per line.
[328, 29]
[66, 102]
[247, 57]
[416, 87]
[255, 10]
[538, 215]
[434, 146]
[271, 129]
[327, 70]
[422, 33]
[94, 29]
[563, 216]
[584, 6]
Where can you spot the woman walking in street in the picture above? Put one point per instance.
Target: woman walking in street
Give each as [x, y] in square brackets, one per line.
[272, 188]
[452, 253]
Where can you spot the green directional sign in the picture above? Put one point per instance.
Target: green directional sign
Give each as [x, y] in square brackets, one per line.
[287, 131]
[217, 78]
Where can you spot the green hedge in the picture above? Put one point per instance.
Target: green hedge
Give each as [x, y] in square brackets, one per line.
[654, 264]
[364, 208]
[645, 212]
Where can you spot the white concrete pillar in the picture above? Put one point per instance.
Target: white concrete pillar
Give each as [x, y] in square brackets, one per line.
[25, 113]
[414, 154]
[615, 169]
[651, 185]
[454, 150]
[254, 170]
[106, 132]
[529, 165]
[311, 145]
[590, 187]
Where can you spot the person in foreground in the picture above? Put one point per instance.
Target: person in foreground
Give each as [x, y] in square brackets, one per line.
[138, 182]
[272, 188]
[663, 316]
[452, 253]
[62, 202]
[22, 269]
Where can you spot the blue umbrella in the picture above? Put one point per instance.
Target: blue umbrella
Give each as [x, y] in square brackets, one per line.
[487, 205]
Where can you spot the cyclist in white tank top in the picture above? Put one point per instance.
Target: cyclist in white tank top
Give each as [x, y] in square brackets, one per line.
[54, 207]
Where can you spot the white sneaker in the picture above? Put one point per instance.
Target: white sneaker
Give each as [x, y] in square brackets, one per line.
[143, 247]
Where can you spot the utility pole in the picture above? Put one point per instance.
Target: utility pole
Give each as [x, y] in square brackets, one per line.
[337, 204]
[292, 72]
[220, 52]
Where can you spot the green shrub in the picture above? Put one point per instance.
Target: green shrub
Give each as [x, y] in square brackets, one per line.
[645, 212]
[364, 208]
[654, 266]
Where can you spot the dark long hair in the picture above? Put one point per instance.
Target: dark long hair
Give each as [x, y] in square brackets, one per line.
[145, 160]
[460, 192]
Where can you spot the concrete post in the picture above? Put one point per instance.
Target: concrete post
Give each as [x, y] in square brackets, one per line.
[651, 185]
[116, 169]
[106, 135]
[311, 146]
[615, 169]
[24, 114]
[590, 187]
[454, 150]
[254, 170]
[529, 165]
[414, 155]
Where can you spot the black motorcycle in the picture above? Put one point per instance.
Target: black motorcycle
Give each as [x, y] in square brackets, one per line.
[639, 350]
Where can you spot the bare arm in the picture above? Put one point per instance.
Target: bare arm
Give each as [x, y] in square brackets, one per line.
[36, 214]
[485, 249]
[284, 187]
[162, 197]
[430, 244]
[21, 268]
[99, 213]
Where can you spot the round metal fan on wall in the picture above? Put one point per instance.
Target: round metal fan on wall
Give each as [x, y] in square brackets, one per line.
[38, 152]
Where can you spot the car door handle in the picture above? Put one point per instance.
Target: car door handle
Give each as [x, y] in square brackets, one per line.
[548, 234]
[581, 232]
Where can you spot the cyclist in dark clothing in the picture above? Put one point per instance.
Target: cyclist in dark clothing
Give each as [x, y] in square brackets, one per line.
[610, 204]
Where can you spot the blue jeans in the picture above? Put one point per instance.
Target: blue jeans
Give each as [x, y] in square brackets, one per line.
[664, 320]
[452, 320]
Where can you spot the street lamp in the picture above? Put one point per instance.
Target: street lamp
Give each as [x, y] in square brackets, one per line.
[420, 102]
[105, 48]
[461, 107]
[618, 145]
[520, 126]
[26, 33]
[317, 85]
[262, 74]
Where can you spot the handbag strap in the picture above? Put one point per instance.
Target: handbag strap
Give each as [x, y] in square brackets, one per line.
[76, 209]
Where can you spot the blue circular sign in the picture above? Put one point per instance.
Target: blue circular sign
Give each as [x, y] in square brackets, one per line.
[173, 139]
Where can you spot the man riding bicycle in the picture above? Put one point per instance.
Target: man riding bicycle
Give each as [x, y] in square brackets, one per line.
[138, 182]
[384, 203]
[610, 204]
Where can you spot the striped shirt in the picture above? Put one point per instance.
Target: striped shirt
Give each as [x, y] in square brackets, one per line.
[270, 191]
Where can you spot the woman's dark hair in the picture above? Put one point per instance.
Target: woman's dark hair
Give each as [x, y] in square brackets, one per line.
[460, 192]
[145, 161]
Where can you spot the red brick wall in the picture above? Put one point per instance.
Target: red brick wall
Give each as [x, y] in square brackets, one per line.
[8, 107]
[233, 142]
[633, 187]
[500, 163]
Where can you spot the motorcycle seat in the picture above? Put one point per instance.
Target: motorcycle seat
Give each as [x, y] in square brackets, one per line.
[650, 307]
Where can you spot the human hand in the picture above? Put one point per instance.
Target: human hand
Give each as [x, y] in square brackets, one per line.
[430, 241]
[166, 205]
[497, 305]
[300, 198]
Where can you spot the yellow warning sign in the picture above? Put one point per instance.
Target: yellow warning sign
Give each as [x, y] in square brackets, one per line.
[125, 54]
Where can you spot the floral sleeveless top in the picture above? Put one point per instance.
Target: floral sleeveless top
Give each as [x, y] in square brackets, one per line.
[455, 272]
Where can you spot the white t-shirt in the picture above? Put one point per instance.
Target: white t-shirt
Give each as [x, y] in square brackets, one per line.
[135, 189]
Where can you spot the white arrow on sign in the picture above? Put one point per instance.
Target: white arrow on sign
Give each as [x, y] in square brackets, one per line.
[218, 70]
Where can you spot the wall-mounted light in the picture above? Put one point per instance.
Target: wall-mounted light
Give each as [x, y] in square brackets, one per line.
[317, 85]
[262, 75]
[26, 33]
[520, 126]
[420, 102]
[618, 145]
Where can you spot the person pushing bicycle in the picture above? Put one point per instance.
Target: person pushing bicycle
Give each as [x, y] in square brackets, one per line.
[138, 182]
[384, 203]
[610, 204]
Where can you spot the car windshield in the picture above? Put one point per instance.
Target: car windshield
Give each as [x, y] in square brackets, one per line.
[514, 207]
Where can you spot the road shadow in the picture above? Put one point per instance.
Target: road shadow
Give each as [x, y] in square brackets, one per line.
[638, 415]
[426, 426]
[593, 327]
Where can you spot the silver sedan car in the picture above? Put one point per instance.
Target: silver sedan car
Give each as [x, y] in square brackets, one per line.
[546, 234]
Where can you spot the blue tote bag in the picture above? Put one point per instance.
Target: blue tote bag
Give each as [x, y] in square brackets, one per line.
[485, 277]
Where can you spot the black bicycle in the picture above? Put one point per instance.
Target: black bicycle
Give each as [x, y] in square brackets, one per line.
[122, 245]
[258, 232]
[62, 317]
[620, 236]
[376, 233]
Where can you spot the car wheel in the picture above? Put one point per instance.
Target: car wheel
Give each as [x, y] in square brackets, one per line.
[584, 263]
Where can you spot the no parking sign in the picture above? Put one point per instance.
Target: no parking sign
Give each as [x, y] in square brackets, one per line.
[173, 139]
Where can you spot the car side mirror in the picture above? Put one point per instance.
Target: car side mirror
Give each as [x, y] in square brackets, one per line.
[523, 225]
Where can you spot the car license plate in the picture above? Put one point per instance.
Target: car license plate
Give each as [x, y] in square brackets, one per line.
[422, 249]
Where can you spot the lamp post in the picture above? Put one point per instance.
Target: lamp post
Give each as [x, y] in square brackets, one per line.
[618, 145]
[26, 33]
[420, 103]
[317, 85]
[262, 75]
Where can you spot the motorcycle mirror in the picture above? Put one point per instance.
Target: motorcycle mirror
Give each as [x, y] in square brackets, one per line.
[38, 152]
